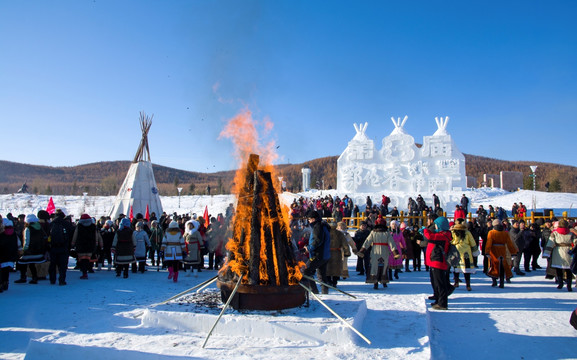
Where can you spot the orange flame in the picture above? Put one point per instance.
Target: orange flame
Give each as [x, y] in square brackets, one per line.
[242, 130]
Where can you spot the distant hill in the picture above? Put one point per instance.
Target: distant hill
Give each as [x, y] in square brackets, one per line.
[104, 178]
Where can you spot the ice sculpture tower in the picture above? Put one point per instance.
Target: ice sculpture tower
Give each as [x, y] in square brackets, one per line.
[400, 166]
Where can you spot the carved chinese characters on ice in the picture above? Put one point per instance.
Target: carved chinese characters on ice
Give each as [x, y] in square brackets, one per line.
[400, 165]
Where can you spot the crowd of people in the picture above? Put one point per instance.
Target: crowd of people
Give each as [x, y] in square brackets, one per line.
[39, 245]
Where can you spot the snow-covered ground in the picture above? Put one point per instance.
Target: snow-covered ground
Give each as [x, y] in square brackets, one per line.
[106, 317]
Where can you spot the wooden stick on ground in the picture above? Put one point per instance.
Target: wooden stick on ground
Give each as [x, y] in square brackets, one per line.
[335, 314]
[223, 309]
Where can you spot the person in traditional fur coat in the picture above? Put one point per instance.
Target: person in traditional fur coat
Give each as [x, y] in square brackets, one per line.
[172, 247]
[123, 248]
[10, 248]
[342, 227]
[465, 243]
[142, 245]
[193, 244]
[382, 244]
[498, 244]
[88, 242]
[339, 249]
[558, 247]
[35, 247]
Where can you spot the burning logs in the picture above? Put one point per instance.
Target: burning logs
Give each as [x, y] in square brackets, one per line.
[260, 247]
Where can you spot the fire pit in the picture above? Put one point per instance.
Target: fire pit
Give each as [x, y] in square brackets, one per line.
[259, 248]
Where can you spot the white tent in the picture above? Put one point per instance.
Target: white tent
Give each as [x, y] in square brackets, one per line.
[139, 187]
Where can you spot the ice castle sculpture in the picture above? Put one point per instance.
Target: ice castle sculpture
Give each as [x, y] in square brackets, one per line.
[400, 166]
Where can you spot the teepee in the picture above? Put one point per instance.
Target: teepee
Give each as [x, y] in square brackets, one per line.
[139, 191]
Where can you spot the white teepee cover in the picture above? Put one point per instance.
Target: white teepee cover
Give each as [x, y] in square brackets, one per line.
[139, 187]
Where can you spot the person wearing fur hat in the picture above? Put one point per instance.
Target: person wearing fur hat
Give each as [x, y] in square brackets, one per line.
[561, 241]
[142, 244]
[382, 244]
[88, 243]
[123, 247]
[465, 243]
[438, 241]
[172, 247]
[35, 246]
[10, 248]
[498, 243]
[193, 245]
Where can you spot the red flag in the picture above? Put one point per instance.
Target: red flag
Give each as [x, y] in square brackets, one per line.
[147, 214]
[130, 215]
[50, 208]
[205, 216]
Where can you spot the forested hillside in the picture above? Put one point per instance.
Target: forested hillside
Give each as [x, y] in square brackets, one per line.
[105, 178]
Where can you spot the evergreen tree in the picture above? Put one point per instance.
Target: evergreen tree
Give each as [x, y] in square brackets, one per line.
[555, 186]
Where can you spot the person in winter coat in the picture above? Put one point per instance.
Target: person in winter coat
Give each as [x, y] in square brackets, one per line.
[156, 236]
[142, 245]
[419, 246]
[463, 240]
[342, 227]
[216, 241]
[558, 247]
[550, 273]
[361, 235]
[459, 213]
[396, 264]
[498, 243]
[88, 242]
[123, 248]
[107, 234]
[382, 245]
[35, 246]
[517, 235]
[172, 247]
[409, 252]
[465, 204]
[532, 249]
[10, 248]
[339, 249]
[61, 231]
[193, 244]
[319, 252]
[437, 248]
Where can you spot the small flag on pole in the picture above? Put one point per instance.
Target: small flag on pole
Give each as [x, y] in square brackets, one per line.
[130, 215]
[147, 214]
[50, 208]
[205, 216]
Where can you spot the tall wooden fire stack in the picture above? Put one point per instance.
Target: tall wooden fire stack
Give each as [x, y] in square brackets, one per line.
[260, 249]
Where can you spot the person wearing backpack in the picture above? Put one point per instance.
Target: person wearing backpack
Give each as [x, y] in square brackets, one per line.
[438, 241]
[319, 249]
[60, 232]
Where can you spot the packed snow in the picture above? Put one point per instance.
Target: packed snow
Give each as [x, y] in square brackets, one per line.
[106, 317]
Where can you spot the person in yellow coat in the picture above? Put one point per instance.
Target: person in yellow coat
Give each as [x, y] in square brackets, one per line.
[463, 240]
[498, 242]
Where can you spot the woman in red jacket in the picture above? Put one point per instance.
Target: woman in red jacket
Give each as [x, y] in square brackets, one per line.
[435, 258]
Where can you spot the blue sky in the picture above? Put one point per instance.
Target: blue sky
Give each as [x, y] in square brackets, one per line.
[75, 74]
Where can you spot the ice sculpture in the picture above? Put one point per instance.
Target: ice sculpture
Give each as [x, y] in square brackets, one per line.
[400, 166]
